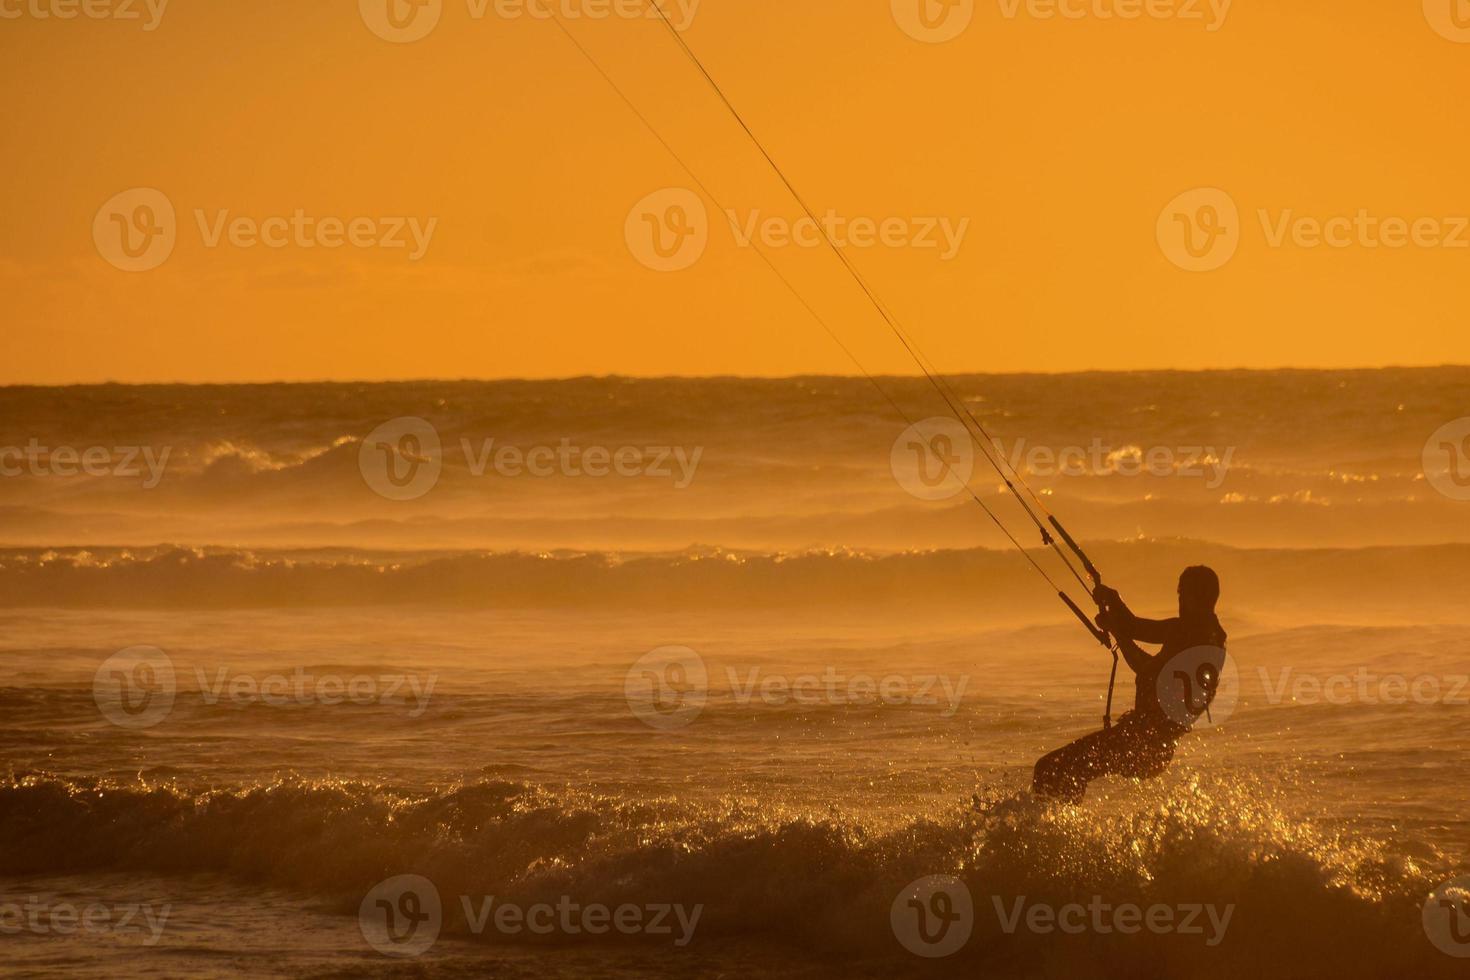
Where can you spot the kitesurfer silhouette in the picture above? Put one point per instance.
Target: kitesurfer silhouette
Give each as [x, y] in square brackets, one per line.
[1141, 744]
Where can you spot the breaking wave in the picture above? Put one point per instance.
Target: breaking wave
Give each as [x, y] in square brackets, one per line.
[1305, 903]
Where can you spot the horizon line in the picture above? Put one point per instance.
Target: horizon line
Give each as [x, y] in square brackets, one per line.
[563, 379]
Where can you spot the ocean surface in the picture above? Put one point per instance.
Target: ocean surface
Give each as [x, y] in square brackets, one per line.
[734, 659]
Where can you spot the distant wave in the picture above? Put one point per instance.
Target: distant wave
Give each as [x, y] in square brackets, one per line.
[1248, 458]
[1418, 581]
[1305, 904]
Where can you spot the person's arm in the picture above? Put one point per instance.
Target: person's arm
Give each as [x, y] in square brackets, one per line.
[1138, 660]
[1119, 620]
[1148, 630]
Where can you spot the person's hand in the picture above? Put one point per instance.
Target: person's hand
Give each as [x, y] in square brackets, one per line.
[1106, 597]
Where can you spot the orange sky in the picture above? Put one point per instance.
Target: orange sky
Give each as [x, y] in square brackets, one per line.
[1055, 143]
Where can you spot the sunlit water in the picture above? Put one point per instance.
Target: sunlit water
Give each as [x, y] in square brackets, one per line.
[485, 718]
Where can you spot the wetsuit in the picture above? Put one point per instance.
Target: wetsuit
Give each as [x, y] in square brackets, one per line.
[1141, 744]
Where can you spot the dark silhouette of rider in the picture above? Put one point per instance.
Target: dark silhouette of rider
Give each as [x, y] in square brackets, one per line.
[1141, 744]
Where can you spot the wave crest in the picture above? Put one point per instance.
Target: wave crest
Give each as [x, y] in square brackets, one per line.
[1305, 903]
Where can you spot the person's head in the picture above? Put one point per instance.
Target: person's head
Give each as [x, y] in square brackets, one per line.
[1199, 590]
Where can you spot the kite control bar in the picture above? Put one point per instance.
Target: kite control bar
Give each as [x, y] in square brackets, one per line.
[1107, 642]
[1101, 635]
[1086, 562]
[1092, 628]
